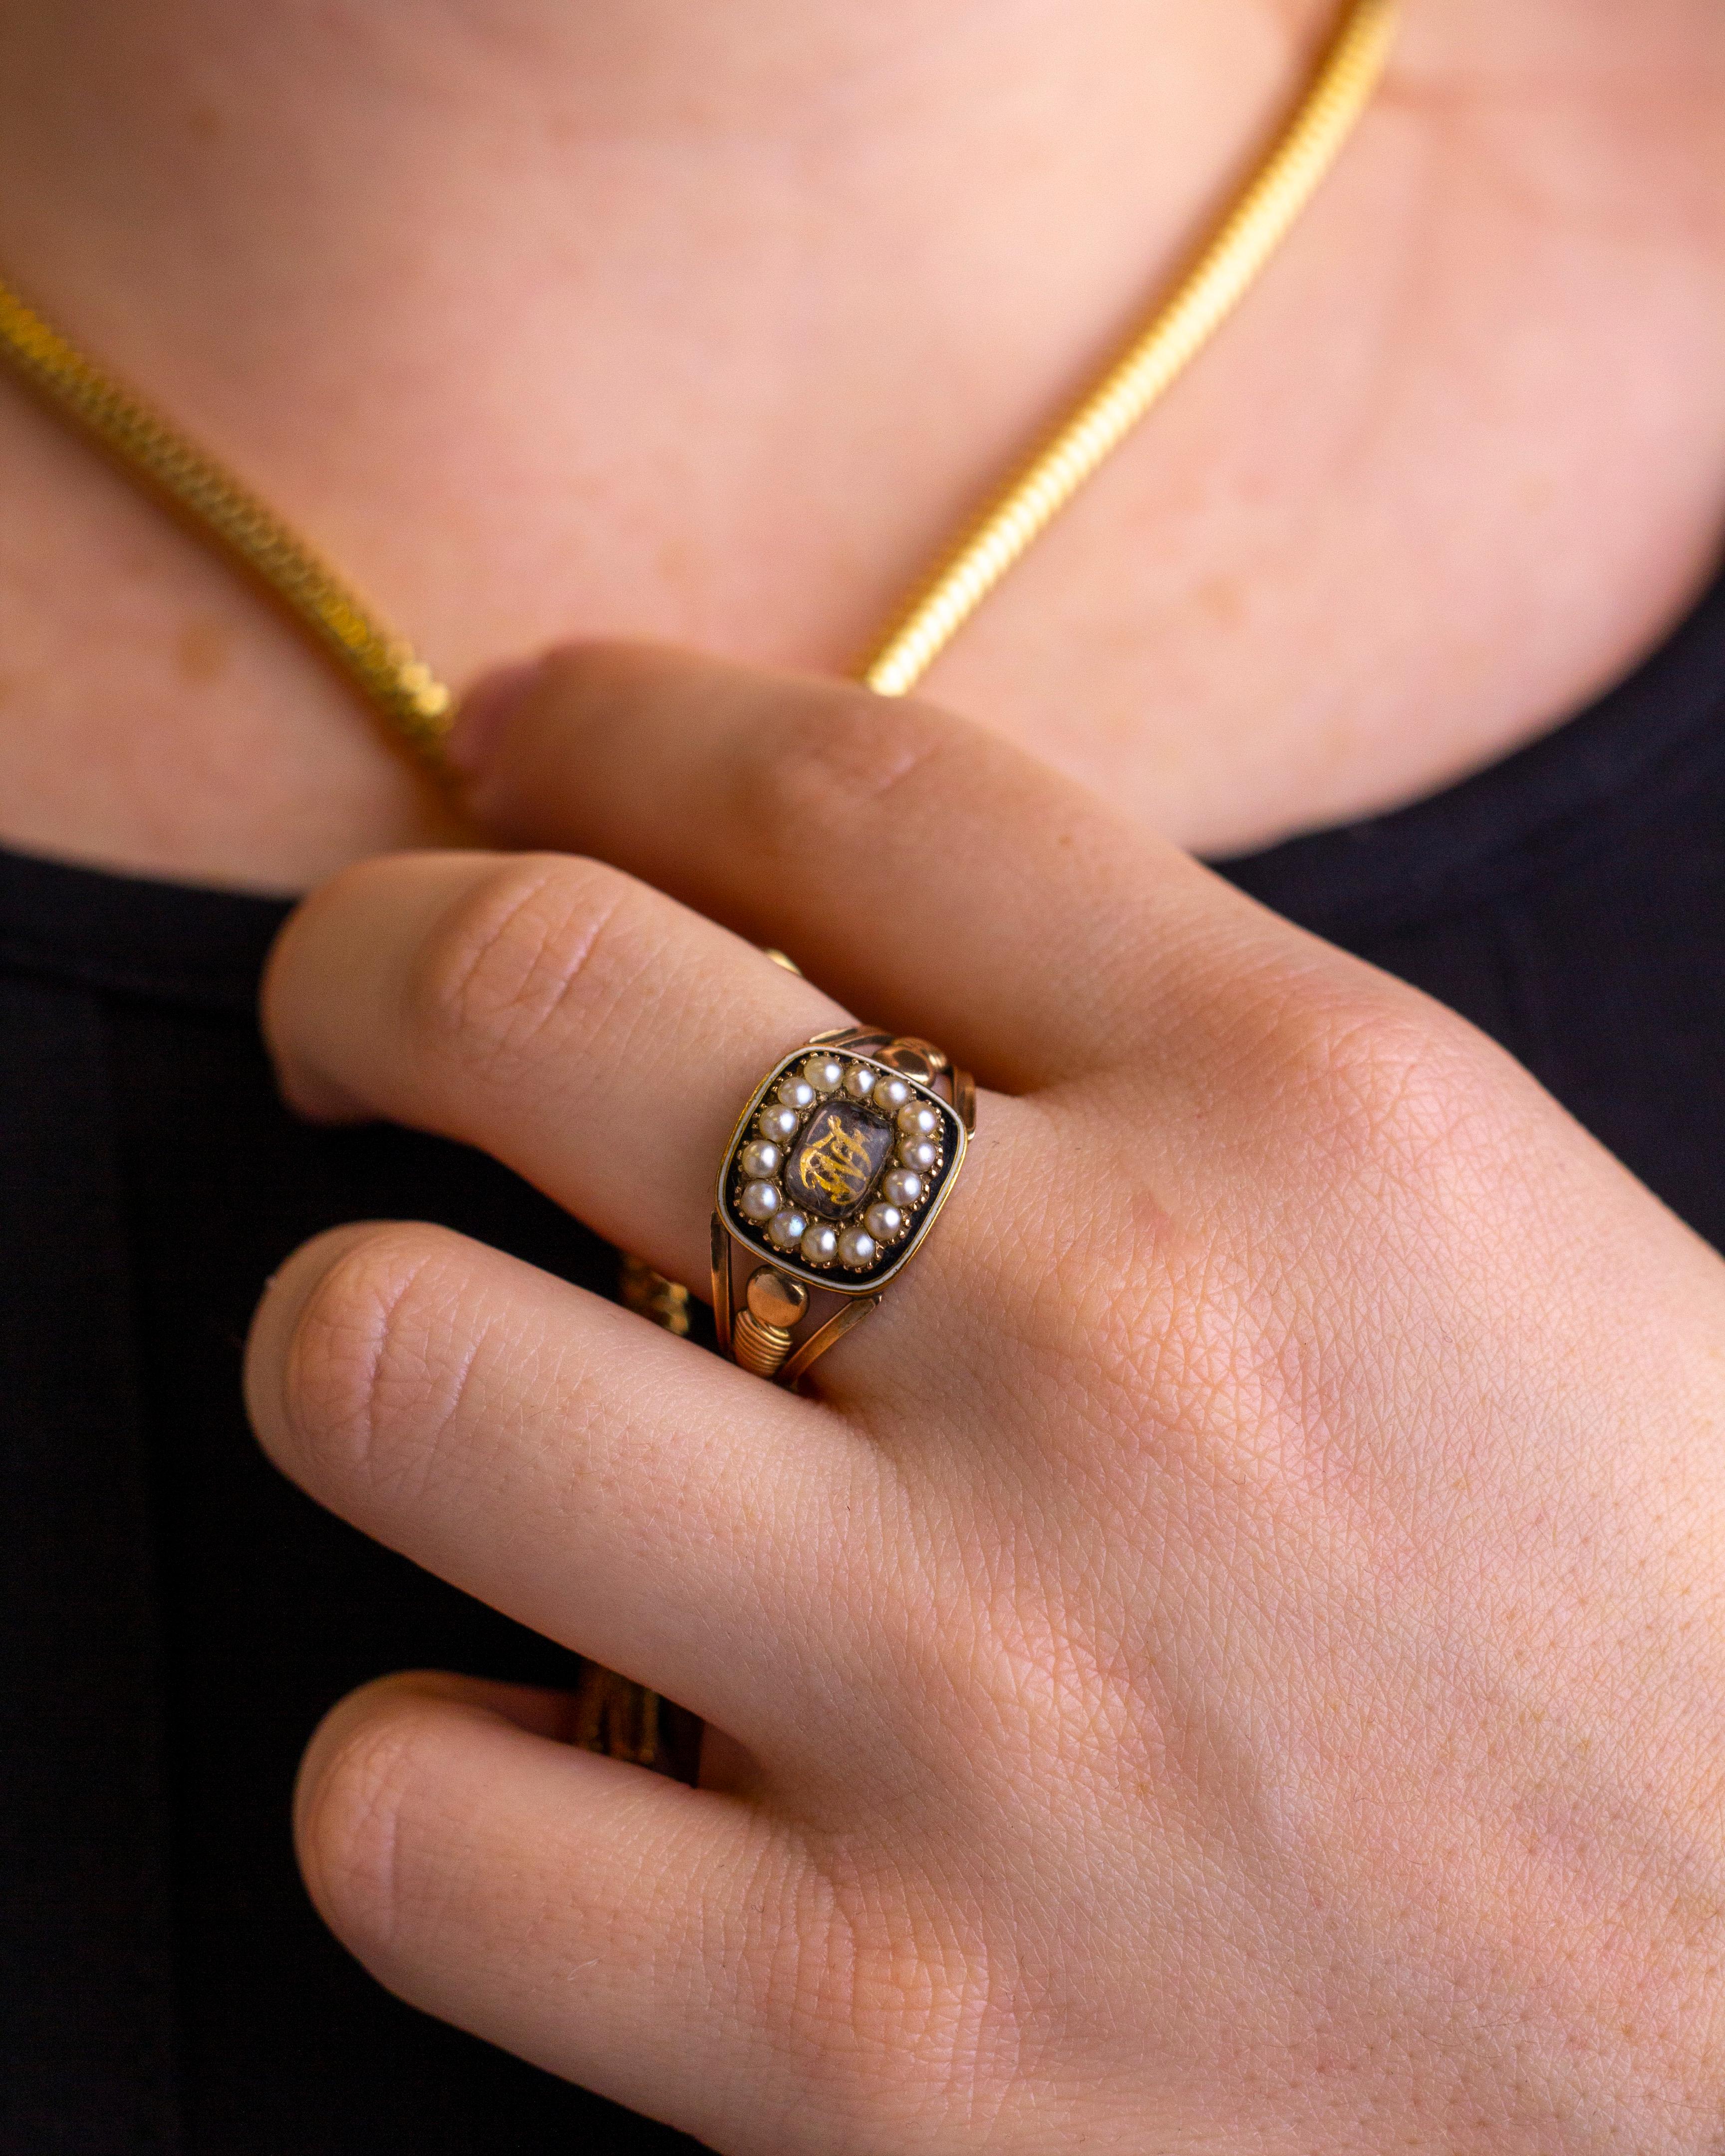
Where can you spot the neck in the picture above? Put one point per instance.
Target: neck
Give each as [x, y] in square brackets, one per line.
[295, 99]
[202, 178]
[393, 262]
[555, 317]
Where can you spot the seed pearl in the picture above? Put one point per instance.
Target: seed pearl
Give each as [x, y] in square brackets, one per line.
[820, 1246]
[779, 1123]
[824, 1074]
[917, 1120]
[858, 1081]
[761, 1160]
[788, 1229]
[891, 1094]
[883, 1222]
[760, 1201]
[796, 1092]
[903, 1186]
[919, 1153]
[856, 1250]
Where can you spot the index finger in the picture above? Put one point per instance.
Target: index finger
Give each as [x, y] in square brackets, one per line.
[925, 872]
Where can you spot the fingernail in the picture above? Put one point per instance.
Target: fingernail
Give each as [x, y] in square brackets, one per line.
[483, 711]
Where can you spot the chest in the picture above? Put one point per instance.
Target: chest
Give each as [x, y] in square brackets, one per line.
[1457, 463]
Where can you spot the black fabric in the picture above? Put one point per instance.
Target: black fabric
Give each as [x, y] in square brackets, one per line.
[174, 1618]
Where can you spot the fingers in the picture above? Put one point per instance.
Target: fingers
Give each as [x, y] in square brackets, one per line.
[598, 1038]
[932, 877]
[523, 1439]
[603, 1923]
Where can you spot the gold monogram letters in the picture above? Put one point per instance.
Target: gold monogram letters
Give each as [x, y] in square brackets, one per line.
[840, 1154]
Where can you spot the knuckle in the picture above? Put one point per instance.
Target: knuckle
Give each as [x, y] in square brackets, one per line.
[1385, 1087]
[541, 943]
[829, 776]
[376, 1370]
[865, 1974]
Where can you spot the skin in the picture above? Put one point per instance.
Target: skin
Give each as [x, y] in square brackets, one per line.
[1230, 1659]
[551, 320]
[1229, 1662]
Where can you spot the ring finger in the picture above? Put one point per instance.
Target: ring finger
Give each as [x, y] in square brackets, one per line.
[594, 1035]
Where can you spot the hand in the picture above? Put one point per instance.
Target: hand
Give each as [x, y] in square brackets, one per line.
[1234, 1660]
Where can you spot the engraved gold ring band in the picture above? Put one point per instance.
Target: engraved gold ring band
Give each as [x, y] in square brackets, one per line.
[843, 1154]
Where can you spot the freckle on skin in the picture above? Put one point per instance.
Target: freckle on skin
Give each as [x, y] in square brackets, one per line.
[1222, 599]
[201, 651]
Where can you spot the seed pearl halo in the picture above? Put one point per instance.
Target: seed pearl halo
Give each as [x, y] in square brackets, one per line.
[864, 1240]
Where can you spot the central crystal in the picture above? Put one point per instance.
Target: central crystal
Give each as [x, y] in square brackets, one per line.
[836, 1160]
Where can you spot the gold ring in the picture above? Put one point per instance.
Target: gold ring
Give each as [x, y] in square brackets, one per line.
[841, 1158]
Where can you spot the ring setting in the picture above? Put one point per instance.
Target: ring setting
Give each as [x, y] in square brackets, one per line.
[841, 1160]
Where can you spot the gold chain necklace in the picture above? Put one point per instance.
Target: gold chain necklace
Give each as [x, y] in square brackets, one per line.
[403, 688]
[613, 1714]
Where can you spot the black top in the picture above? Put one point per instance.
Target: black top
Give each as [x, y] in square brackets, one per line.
[174, 1617]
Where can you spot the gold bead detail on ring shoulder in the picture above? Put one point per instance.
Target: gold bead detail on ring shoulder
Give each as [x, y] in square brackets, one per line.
[762, 1338]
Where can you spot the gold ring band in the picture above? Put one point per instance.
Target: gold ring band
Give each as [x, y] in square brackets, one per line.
[857, 1137]
[843, 1155]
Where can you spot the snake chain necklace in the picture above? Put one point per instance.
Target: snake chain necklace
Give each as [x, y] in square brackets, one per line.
[415, 703]
[416, 707]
